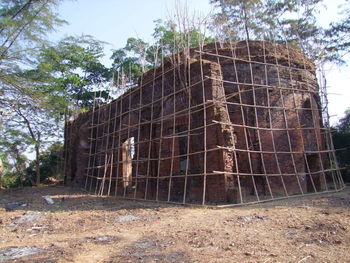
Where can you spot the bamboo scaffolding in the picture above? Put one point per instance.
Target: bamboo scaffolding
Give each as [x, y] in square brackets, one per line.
[161, 130]
[189, 97]
[158, 128]
[299, 125]
[205, 133]
[271, 130]
[173, 116]
[217, 173]
[151, 127]
[138, 137]
[128, 150]
[107, 154]
[286, 121]
[206, 102]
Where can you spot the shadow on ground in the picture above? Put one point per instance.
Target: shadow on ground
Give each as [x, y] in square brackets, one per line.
[68, 199]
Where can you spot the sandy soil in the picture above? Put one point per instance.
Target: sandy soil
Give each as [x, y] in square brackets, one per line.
[82, 228]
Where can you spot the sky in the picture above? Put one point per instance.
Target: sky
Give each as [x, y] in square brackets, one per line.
[114, 21]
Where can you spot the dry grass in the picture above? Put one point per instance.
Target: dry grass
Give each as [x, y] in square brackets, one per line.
[81, 228]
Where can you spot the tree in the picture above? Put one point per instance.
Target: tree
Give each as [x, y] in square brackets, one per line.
[338, 37]
[1, 171]
[138, 56]
[50, 164]
[239, 19]
[39, 81]
[12, 146]
[63, 79]
[132, 60]
[341, 139]
[291, 21]
[70, 71]
[23, 26]
[344, 123]
[173, 36]
[31, 124]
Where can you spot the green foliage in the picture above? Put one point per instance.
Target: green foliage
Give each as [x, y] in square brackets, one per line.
[10, 180]
[51, 165]
[239, 19]
[26, 20]
[130, 62]
[23, 26]
[172, 39]
[30, 122]
[344, 123]
[338, 37]
[341, 140]
[12, 147]
[65, 73]
[70, 71]
[291, 21]
[19, 171]
[12, 144]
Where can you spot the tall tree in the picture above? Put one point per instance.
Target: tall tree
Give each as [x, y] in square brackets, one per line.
[70, 71]
[30, 124]
[65, 76]
[338, 36]
[23, 25]
[239, 19]
[292, 21]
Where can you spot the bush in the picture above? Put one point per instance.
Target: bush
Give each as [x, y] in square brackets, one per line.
[50, 165]
[10, 181]
[342, 140]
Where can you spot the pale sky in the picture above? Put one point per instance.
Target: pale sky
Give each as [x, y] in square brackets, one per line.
[114, 21]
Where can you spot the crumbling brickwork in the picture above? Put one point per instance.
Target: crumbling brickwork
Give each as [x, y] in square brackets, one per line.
[225, 123]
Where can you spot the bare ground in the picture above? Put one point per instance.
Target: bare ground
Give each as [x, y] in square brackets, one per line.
[82, 228]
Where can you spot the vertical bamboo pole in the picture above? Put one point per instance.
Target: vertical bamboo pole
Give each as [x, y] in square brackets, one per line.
[93, 141]
[99, 154]
[107, 157]
[151, 127]
[205, 129]
[187, 64]
[129, 143]
[175, 64]
[329, 140]
[118, 162]
[271, 125]
[137, 142]
[161, 125]
[113, 140]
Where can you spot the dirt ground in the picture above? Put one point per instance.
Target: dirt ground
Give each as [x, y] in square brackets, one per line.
[83, 228]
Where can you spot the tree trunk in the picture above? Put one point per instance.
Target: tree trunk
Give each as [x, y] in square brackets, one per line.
[1, 171]
[37, 162]
[245, 19]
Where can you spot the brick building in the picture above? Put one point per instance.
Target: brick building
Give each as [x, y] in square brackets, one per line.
[222, 124]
